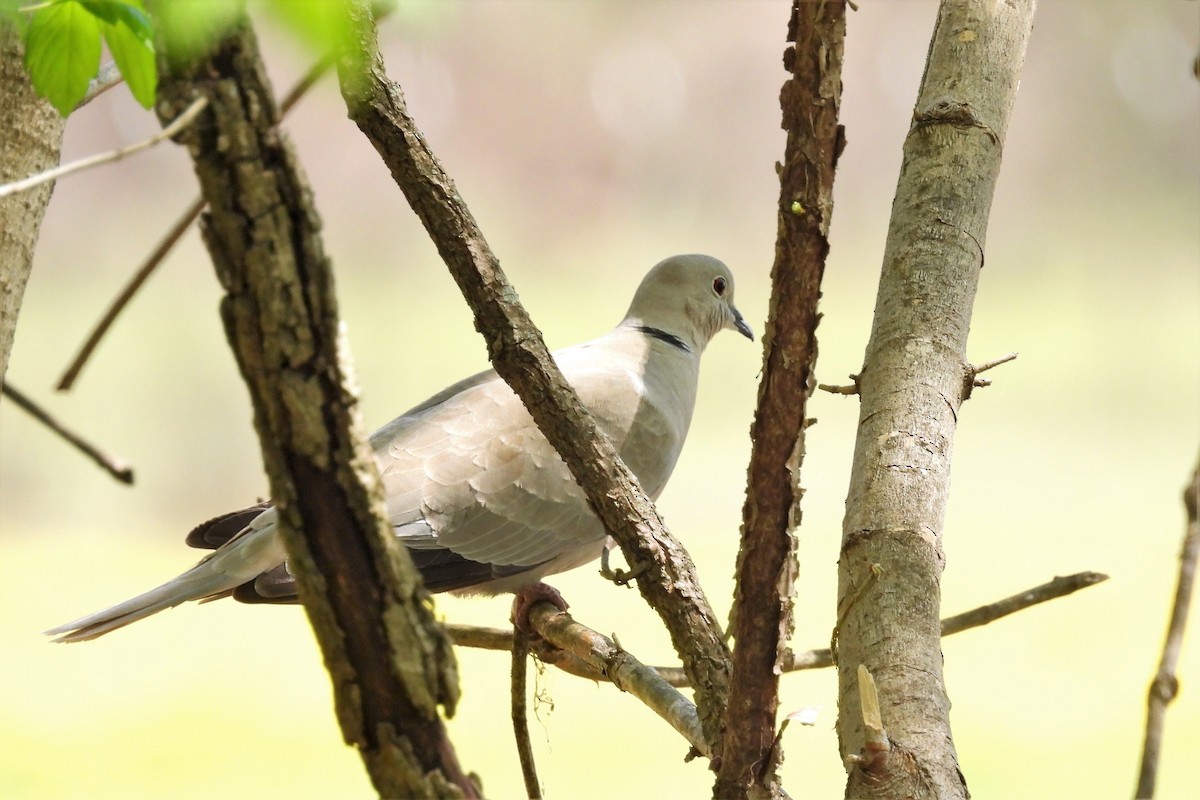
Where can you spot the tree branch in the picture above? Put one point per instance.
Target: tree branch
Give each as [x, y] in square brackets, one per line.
[390, 663]
[520, 663]
[1165, 685]
[616, 664]
[170, 128]
[766, 568]
[143, 272]
[498, 639]
[668, 581]
[168, 242]
[911, 387]
[113, 466]
[108, 76]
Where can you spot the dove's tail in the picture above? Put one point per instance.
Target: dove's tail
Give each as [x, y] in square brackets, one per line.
[243, 558]
[197, 583]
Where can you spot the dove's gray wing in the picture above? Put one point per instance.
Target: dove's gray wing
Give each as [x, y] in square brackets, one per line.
[478, 494]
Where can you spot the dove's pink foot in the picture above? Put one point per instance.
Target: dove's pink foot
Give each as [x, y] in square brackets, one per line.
[524, 599]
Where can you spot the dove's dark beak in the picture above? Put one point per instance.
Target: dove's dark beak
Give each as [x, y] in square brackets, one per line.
[740, 324]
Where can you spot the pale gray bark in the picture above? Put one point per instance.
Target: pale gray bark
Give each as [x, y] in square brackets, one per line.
[914, 379]
[30, 137]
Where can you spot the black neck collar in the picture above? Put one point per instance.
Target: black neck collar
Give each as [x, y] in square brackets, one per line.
[663, 336]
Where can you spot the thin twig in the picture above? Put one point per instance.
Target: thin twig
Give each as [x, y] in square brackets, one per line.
[168, 242]
[113, 466]
[1059, 587]
[520, 661]
[182, 121]
[995, 362]
[165, 245]
[1165, 685]
[496, 639]
[108, 77]
[306, 82]
[973, 380]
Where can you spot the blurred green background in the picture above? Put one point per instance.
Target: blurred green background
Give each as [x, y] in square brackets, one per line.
[592, 139]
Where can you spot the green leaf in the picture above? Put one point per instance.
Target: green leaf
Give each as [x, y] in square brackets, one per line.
[62, 53]
[104, 10]
[129, 14]
[319, 23]
[135, 58]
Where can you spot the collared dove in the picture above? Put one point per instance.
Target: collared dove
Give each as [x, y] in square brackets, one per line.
[481, 500]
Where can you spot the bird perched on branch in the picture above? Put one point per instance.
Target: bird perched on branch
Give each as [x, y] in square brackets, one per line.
[483, 503]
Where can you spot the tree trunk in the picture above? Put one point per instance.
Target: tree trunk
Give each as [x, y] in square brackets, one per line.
[30, 137]
[914, 378]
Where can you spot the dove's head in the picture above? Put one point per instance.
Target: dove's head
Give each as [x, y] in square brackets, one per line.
[689, 297]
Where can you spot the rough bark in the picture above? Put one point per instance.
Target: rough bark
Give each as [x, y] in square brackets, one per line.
[30, 137]
[391, 664]
[915, 377]
[666, 576]
[766, 569]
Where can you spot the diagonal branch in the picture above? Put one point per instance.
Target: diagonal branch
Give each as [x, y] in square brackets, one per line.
[167, 243]
[578, 650]
[1165, 685]
[391, 664]
[766, 567]
[185, 118]
[108, 76]
[113, 466]
[616, 664]
[668, 579]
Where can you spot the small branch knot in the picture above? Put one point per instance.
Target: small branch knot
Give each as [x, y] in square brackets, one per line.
[972, 379]
[1164, 688]
[853, 388]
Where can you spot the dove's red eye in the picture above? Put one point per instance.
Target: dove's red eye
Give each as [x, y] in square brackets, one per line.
[719, 285]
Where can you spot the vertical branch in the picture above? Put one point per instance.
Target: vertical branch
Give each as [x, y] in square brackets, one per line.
[520, 718]
[914, 379]
[30, 137]
[390, 663]
[766, 568]
[1165, 685]
[667, 578]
